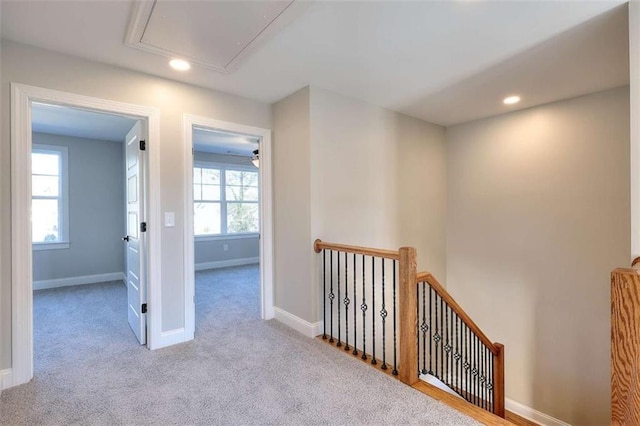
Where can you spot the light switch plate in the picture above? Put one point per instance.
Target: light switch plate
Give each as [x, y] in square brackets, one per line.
[169, 219]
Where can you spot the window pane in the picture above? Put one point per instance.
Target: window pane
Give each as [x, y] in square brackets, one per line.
[44, 186]
[250, 194]
[211, 176]
[197, 191]
[250, 179]
[44, 220]
[242, 217]
[234, 193]
[233, 177]
[206, 218]
[197, 175]
[45, 164]
[211, 192]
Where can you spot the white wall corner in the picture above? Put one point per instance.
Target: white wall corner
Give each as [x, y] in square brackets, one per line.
[297, 323]
[531, 414]
[6, 380]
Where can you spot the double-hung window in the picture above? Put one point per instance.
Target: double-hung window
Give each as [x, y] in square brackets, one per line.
[226, 200]
[49, 192]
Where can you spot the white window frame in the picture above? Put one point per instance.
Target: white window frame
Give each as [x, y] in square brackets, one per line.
[63, 197]
[224, 235]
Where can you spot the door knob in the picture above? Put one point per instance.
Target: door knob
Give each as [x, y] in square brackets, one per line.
[125, 238]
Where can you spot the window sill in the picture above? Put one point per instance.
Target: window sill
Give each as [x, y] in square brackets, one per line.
[50, 246]
[226, 237]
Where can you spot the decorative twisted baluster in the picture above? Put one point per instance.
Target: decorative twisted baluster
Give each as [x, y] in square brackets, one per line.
[373, 316]
[331, 294]
[346, 303]
[363, 308]
[355, 301]
[383, 315]
[324, 292]
[339, 302]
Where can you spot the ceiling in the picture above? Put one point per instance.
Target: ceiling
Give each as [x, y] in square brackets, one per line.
[65, 121]
[445, 62]
[216, 142]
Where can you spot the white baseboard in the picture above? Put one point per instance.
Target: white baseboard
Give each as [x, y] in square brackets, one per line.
[531, 414]
[86, 279]
[6, 380]
[297, 323]
[227, 263]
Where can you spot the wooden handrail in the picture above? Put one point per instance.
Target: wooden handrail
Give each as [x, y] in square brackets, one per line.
[635, 262]
[449, 300]
[318, 245]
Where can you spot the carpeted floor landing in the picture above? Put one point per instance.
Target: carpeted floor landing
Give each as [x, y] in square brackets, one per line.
[89, 368]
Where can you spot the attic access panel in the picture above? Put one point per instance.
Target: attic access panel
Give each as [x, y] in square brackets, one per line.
[212, 34]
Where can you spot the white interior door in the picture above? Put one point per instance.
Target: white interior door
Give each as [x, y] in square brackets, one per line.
[135, 238]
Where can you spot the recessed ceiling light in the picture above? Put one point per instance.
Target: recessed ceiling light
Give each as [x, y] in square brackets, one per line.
[180, 64]
[510, 100]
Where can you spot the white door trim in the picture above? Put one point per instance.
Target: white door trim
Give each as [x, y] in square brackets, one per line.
[266, 214]
[21, 276]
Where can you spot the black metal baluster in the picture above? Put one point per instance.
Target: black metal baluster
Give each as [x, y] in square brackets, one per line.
[456, 354]
[363, 308]
[424, 328]
[339, 301]
[467, 365]
[435, 339]
[477, 353]
[324, 294]
[331, 294]
[383, 315]
[430, 330]
[441, 342]
[395, 311]
[449, 345]
[355, 300]
[486, 375]
[346, 301]
[373, 315]
[481, 379]
[445, 377]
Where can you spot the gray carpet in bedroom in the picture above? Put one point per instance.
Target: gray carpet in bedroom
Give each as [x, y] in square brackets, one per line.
[239, 370]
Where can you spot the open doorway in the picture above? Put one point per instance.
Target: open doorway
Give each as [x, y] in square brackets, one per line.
[23, 98]
[226, 225]
[86, 283]
[228, 222]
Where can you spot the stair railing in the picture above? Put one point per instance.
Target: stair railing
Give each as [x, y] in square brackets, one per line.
[453, 349]
[372, 302]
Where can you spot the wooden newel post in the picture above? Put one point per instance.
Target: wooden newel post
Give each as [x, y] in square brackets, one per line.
[408, 315]
[498, 381]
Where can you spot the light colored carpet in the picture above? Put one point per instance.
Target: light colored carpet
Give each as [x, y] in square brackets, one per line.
[238, 371]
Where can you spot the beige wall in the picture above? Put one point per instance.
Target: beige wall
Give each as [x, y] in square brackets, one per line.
[353, 173]
[292, 216]
[538, 216]
[51, 70]
[377, 178]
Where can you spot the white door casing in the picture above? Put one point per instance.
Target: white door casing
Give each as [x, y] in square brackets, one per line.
[135, 240]
[22, 96]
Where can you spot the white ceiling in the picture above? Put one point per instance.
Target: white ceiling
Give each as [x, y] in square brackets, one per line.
[446, 62]
[216, 142]
[79, 123]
